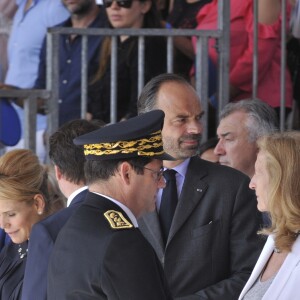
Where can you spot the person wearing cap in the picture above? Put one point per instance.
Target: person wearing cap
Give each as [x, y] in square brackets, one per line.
[100, 253]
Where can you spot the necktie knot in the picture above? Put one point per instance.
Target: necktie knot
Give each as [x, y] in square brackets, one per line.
[170, 175]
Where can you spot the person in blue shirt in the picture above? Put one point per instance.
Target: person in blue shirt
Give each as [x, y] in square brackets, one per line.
[7, 11]
[86, 14]
[30, 24]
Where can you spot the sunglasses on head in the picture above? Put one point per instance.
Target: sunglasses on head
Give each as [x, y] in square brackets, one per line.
[121, 3]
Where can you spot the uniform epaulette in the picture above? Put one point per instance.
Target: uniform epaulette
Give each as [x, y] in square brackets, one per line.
[117, 220]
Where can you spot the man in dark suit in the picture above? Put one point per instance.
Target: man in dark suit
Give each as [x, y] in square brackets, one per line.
[100, 253]
[68, 160]
[212, 245]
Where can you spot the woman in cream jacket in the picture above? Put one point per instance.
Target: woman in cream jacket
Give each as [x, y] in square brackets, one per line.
[276, 274]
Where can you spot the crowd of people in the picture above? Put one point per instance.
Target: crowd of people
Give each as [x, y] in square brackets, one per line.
[142, 208]
[27, 47]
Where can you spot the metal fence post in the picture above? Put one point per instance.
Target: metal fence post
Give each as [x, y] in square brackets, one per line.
[141, 63]
[84, 75]
[114, 84]
[224, 53]
[202, 80]
[52, 83]
[283, 66]
[30, 109]
[255, 49]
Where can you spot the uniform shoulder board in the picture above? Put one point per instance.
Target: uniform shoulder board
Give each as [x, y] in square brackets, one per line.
[117, 220]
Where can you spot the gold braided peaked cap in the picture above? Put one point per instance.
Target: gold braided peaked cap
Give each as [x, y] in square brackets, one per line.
[148, 146]
[138, 136]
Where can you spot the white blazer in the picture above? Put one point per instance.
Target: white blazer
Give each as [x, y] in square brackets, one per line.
[285, 285]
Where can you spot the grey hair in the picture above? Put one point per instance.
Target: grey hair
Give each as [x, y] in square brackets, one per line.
[262, 118]
[148, 97]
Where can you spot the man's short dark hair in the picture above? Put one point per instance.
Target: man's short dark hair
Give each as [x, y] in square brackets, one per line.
[148, 97]
[103, 169]
[68, 157]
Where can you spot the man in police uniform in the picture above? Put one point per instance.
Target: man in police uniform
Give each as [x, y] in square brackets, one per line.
[100, 253]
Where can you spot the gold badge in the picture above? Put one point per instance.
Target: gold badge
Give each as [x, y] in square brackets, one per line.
[117, 220]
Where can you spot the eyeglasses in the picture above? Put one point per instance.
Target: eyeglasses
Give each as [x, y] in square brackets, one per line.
[158, 174]
[121, 3]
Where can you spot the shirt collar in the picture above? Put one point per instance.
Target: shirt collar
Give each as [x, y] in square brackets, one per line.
[125, 208]
[74, 194]
[182, 168]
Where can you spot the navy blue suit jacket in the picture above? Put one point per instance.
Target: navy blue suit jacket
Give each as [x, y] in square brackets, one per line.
[70, 67]
[97, 256]
[42, 239]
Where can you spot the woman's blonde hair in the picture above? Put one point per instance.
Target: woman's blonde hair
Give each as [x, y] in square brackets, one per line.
[282, 152]
[22, 177]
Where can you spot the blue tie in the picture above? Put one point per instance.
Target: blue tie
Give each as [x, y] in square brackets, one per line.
[168, 204]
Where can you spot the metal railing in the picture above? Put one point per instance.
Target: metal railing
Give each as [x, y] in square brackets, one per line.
[30, 107]
[201, 60]
[221, 34]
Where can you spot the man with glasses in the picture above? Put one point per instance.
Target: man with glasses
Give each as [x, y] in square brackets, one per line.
[100, 253]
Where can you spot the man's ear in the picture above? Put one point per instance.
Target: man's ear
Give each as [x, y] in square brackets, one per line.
[126, 170]
[58, 173]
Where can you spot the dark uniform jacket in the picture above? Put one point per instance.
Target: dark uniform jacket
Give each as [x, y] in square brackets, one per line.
[99, 254]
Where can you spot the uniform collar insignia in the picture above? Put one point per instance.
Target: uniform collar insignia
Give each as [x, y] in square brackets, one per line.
[117, 220]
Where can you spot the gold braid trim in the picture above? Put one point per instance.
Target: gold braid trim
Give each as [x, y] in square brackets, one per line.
[126, 147]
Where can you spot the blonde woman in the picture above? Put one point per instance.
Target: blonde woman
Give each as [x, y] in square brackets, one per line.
[276, 274]
[23, 194]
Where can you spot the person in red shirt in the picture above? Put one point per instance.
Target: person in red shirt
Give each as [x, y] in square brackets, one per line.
[241, 48]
